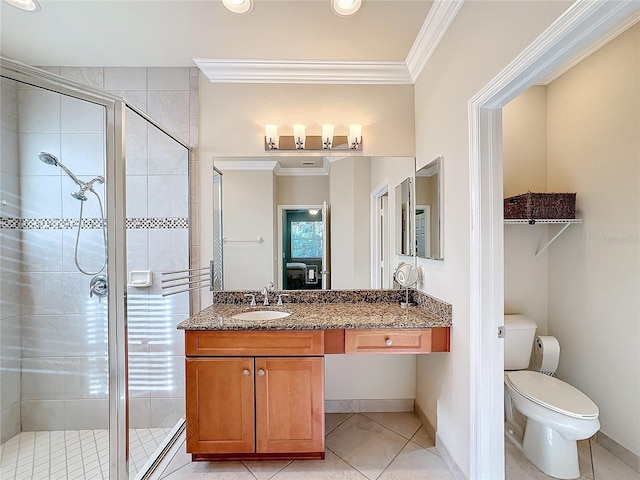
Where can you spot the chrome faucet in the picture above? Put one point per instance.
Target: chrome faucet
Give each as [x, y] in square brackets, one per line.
[265, 292]
[253, 299]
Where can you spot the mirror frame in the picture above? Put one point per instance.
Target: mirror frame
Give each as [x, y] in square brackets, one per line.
[437, 165]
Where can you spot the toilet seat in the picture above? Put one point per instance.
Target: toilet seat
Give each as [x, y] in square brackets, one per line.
[552, 393]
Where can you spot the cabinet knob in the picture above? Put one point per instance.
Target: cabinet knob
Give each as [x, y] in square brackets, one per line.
[261, 372]
[246, 372]
[388, 342]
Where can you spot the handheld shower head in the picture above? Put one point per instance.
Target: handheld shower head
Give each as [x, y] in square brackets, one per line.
[48, 158]
[51, 159]
[80, 194]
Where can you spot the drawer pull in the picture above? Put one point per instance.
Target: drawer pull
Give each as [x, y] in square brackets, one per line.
[261, 372]
[388, 342]
[246, 372]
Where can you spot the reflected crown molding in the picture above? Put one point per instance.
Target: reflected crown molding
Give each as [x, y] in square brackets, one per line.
[439, 18]
[245, 165]
[274, 166]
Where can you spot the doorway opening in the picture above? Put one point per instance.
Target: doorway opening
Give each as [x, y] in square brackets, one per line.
[303, 242]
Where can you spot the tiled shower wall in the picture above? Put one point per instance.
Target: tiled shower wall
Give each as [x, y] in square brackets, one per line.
[64, 376]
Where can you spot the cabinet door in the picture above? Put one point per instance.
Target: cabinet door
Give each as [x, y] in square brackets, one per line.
[220, 399]
[290, 404]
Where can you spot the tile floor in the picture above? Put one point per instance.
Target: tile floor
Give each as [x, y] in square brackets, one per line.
[72, 454]
[385, 446]
[595, 462]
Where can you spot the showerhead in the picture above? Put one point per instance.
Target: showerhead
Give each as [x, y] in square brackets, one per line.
[48, 158]
[80, 195]
[51, 159]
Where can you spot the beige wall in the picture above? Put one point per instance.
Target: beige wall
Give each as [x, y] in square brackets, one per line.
[298, 190]
[524, 142]
[524, 139]
[594, 280]
[350, 223]
[482, 40]
[248, 213]
[232, 117]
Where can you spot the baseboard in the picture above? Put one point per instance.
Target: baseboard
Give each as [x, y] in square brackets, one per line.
[448, 460]
[442, 449]
[625, 455]
[425, 422]
[369, 405]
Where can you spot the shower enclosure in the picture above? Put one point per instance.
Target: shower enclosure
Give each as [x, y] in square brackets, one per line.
[91, 382]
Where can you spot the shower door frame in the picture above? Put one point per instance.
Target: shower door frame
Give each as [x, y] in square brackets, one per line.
[116, 242]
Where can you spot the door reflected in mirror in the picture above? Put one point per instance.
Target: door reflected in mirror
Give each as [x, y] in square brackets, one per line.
[429, 211]
[404, 219]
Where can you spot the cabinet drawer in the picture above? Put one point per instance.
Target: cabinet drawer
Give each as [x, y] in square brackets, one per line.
[254, 343]
[388, 341]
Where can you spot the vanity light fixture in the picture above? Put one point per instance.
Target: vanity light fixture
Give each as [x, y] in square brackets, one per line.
[345, 8]
[299, 136]
[271, 137]
[327, 136]
[355, 136]
[26, 5]
[238, 6]
[301, 140]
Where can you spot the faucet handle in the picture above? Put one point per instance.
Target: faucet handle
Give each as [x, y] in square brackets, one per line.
[253, 299]
[280, 295]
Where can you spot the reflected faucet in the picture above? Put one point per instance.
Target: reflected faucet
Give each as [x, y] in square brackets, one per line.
[265, 292]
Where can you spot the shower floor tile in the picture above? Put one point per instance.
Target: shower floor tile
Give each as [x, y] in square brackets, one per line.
[72, 454]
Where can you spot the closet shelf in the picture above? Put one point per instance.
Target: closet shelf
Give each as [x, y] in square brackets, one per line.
[566, 221]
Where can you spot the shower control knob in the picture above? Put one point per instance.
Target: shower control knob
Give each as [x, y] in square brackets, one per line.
[261, 372]
[246, 372]
[388, 342]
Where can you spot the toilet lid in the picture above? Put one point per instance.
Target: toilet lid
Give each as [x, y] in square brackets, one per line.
[552, 393]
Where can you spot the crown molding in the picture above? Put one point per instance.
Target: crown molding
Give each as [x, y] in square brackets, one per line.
[580, 56]
[303, 172]
[439, 18]
[246, 165]
[304, 71]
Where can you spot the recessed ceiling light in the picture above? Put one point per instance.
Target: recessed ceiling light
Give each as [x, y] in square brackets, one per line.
[238, 6]
[345, 8]
[27, 5]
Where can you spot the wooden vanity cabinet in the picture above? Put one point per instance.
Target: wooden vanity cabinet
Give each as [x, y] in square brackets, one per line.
[253, 406]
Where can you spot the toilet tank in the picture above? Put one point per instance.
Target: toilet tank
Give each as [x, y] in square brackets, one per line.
[518, 341]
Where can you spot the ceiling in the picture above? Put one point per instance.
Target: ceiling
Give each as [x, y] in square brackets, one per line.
[172, 33]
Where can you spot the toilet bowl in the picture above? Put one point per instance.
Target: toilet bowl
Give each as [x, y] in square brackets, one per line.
[555, 413]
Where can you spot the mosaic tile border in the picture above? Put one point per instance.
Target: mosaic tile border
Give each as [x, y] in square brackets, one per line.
[134, 223]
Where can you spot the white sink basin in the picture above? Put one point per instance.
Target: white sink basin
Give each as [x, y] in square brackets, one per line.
[261, 315]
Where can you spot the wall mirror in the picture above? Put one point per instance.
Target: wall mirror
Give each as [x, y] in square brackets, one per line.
[429, 211]
[404, 218]
[263, 244]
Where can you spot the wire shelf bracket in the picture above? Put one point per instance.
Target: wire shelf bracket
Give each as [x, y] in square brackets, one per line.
[566, 221]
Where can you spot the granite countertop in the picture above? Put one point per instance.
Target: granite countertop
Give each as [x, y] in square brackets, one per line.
[344, 309]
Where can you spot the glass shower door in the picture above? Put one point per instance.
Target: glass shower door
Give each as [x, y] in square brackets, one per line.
[57, 318]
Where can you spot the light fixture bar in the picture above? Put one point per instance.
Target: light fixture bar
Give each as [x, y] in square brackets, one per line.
[300, 140]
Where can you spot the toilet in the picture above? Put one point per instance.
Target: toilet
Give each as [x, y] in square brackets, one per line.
[544, 416]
